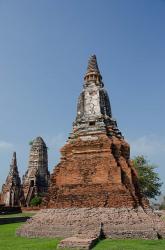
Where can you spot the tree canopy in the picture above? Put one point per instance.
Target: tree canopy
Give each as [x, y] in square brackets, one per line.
[149, 180]
[35, 201]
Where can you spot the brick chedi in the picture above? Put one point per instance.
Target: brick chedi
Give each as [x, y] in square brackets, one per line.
[36, 178]
[95, 168]
[94, 190]
[12, 191]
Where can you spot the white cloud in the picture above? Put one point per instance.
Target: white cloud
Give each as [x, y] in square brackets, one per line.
[5, 145]
[151, 145]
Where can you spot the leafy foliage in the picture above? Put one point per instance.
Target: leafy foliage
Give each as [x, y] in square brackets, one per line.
[30, 142]
[149, 180]
[35, 201]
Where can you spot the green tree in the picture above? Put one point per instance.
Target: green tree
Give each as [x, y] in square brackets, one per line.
[149, 180]
[30, 142]
[35, 201]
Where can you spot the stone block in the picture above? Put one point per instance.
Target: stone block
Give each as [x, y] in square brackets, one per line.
[77, 243]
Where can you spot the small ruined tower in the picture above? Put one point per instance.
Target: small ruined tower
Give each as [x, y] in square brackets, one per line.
[11, 190]
[36, 178]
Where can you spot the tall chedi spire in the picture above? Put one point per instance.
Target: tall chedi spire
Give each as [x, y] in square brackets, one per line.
[11, 190]
[94, 109]
[95, 180]
[93, 72]
[96, 156]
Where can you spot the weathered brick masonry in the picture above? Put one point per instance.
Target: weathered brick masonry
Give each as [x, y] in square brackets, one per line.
[95, 173]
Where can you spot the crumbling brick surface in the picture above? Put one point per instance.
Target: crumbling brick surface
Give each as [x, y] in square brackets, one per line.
[77, 243]
[95, 173]
[117, 223]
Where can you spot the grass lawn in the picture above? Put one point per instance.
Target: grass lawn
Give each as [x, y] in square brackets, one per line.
[9, 241]
[130, 245]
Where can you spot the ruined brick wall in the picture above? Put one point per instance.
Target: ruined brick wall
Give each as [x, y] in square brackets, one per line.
[95, 171]
[117, 223]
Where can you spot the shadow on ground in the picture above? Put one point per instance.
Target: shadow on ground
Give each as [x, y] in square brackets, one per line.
[13, 220]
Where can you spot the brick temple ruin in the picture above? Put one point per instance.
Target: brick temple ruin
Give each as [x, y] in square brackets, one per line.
[12, 190]
[35, 181]
[94, 190]
[96, 156]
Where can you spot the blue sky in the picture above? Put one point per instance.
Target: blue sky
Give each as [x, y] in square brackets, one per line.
[44, 48]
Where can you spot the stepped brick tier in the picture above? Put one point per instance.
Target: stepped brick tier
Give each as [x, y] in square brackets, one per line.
[90, 223]
[36, 178]
[94, 190]
[12, 190]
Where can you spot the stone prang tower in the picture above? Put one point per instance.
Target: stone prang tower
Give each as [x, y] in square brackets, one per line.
[36, 179]
[11, 190]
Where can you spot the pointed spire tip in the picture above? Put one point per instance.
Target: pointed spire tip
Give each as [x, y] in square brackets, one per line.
[92, 65]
